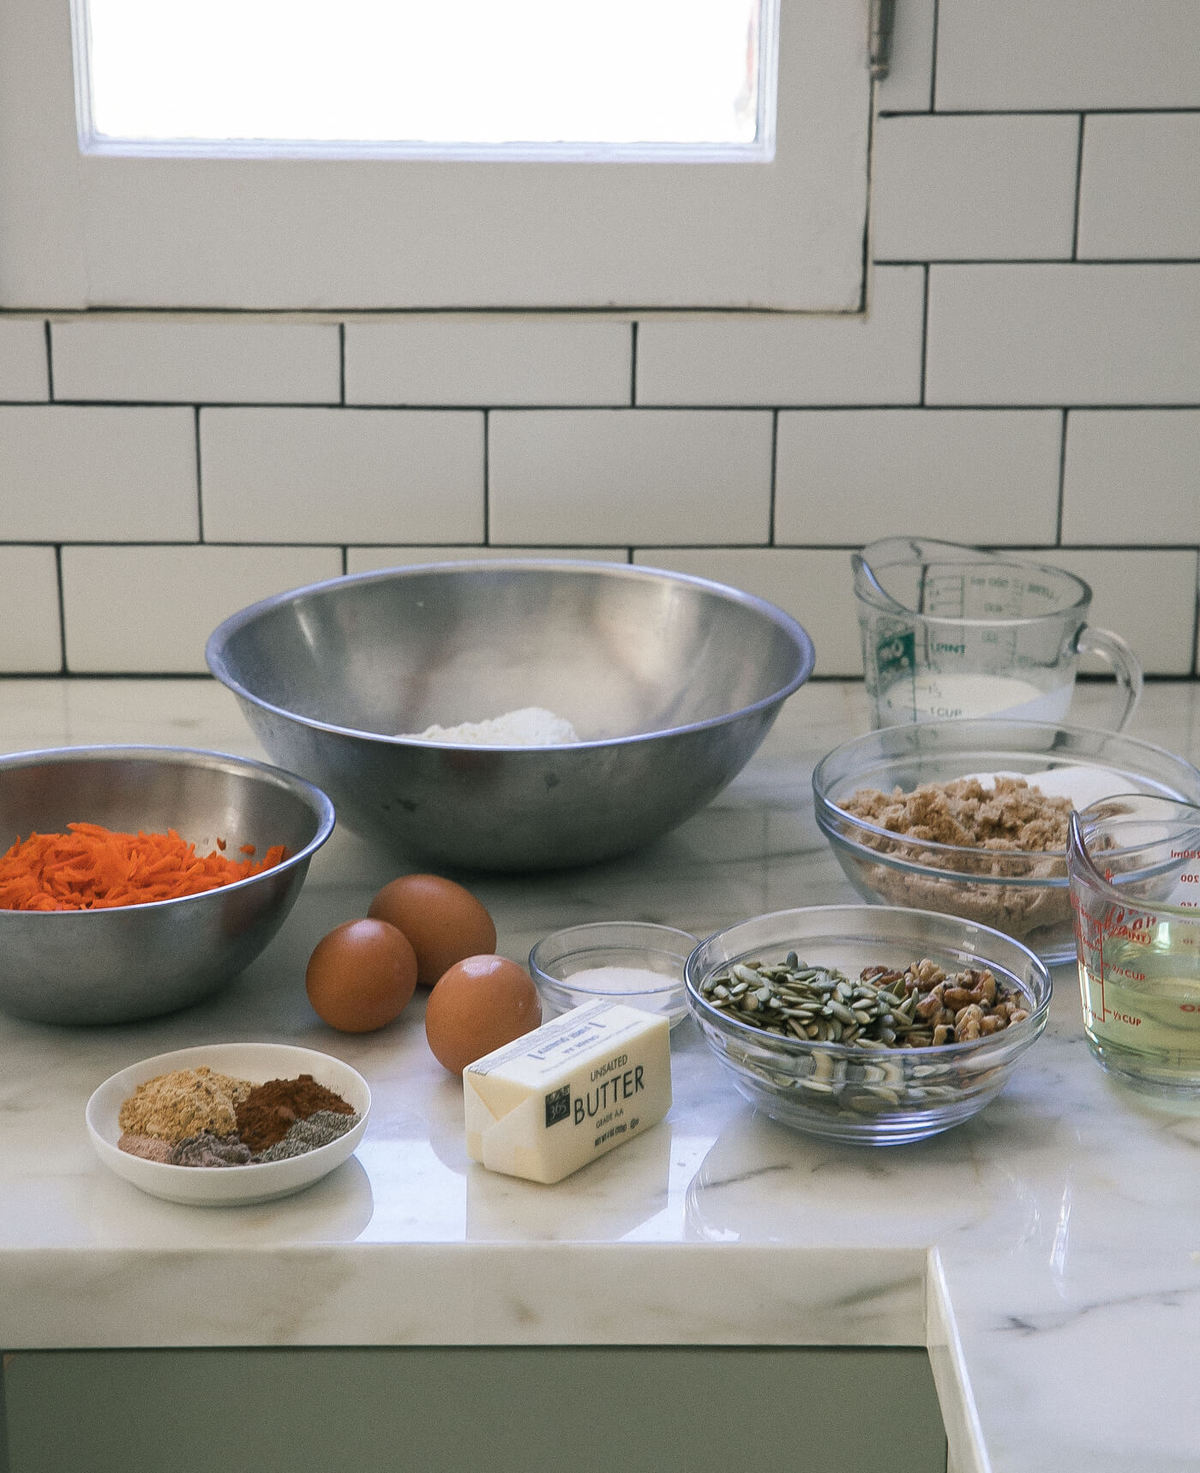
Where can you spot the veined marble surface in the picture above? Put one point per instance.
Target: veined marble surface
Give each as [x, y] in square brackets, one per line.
[1047, 1252]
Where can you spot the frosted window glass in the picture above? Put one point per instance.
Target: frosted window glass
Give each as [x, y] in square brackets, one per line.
[428, 74]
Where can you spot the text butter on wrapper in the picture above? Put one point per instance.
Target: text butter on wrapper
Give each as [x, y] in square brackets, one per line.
[550, 1102]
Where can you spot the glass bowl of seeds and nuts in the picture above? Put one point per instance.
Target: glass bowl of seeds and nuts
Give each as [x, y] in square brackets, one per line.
[867, 1024]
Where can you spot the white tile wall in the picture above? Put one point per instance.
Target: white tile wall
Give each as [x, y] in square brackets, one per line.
[30, 628]
[661, 476]
[1028, 375]
[341, 475]
[180, 594]
[1036, 54]
[964, 475]
[1132, 476]
[177, 360]
[97, 474]
[975, 188]
[23, 368]
[436, 359]
[1069, 334]
[1139, 191]
[791, 360]
[1147, 597]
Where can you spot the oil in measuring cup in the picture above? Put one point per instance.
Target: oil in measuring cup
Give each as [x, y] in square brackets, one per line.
[1134, 870]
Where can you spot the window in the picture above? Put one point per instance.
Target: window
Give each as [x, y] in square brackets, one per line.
[759, 202]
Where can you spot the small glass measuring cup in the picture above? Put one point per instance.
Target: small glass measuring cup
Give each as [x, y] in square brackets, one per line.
[953, 631]
[1133, 866]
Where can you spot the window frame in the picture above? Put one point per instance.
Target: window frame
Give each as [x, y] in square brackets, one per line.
[319, 233]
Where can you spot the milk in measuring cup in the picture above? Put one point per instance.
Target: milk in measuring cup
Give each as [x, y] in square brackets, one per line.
[929, 696]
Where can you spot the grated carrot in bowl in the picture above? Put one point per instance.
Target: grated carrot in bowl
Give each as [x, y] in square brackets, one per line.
[91, 867]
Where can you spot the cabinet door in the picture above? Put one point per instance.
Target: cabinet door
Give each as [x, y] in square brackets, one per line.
[464, 1410]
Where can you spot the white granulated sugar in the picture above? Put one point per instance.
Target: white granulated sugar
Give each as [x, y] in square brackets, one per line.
[530, 726]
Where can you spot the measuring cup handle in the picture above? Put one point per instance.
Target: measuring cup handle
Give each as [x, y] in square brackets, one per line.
[1124, 663]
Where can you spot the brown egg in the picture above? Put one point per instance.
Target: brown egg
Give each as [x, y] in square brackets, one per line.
[443, 921]
[480, 1003]
[361, 976]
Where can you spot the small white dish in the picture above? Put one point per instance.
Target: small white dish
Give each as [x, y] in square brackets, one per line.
[212, 1186]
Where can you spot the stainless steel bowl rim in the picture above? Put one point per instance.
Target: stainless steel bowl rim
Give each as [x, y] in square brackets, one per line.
[925, 1053]
[320, 802]
[219, 639]
[825, 806]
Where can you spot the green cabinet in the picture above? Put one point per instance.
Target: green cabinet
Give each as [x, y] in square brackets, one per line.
[562, 1409]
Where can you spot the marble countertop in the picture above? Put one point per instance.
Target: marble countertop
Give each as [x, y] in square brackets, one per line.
[1046, 1252]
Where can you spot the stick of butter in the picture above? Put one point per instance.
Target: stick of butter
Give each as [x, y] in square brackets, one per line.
[555, 1099]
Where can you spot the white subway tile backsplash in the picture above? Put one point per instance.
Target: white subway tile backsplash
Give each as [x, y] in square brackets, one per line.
[976, 476]
[661, 476]
[1147, 596]
[23, 366]
[1028, 373]
[752, 360]
[1063, 334]
[181, 360]
[183, 593]
[974, 188]
[97, 474]
[1131, 476]
[492, 360]
[368, 559]
[814, 587]
[30, 632]
[1038, 54]
[341, 475]
[1139, 189]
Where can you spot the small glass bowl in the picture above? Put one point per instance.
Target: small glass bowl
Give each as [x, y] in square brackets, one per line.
[565, 963]
[1020, 892]
[843, 1092]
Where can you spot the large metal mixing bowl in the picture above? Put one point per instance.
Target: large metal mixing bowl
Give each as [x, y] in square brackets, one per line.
[137, 961]
[670, 681]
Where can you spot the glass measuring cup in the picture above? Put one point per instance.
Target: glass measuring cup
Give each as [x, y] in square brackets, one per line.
[1133, 867]
[955, 631]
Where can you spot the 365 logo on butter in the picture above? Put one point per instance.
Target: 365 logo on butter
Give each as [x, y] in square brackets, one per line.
[558, 1105]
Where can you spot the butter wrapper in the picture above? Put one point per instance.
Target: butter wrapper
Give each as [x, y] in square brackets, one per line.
[573, 1089]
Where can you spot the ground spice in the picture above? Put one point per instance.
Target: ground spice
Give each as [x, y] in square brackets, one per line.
[318, 1129]
[266, 1114]
[148, 1147]
[184, 1103]
[207, 1149]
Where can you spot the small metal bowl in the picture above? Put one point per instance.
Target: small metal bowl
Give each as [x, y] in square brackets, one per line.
[671, 683]
[568, 967]
[1023, 893]
[845, 1092]
[138, 961]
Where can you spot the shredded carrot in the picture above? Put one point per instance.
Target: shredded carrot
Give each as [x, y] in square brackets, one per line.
[94, 868]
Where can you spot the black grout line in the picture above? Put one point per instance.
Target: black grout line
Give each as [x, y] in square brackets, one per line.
[1078, 187]
[62, 609]
[49, 363]
[925, 338]
[487, 425]
[1062, 480]
[199, 476]
[633, 364]
[933, 57]
[771, 496]
[341, 363]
